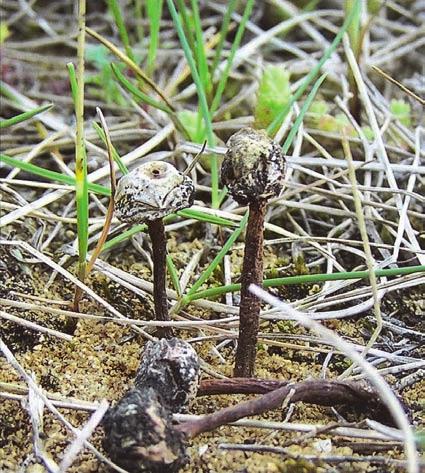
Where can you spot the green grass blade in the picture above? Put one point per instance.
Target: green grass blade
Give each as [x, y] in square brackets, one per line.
[355, 26]
[303, 111]
[219, 257]
[238, 38]
[138, 94]
[24, 116]
[273, 127]
[81, 184]
[307, 279]
[154, 12]
[206, 217]
[223, 33]
[174, 276]
[131, 64]
[138, 16]
[73, 81]
[116, 157]
[186, 24]
[200, 56]
[51, 175]
[122, 30]
[124, 236]
[202, 99]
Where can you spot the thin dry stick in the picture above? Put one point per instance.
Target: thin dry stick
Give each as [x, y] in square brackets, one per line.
[331, 392]
[77, 445]
[399, 84]
[33, 326]
[368, 252]
[66, 274]
[381, 151]
[110, 212]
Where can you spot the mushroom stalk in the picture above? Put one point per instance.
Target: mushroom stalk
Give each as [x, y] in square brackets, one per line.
[253, 171]
[252, 273]
[156, 232]
[147, 195]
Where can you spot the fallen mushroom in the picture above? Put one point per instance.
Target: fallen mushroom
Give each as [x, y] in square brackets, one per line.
[146, 195]
[142, 437]
[139, 431]
[253, 171]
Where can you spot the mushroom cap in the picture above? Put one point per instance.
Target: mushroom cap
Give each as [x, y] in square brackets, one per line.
[171, 367]
[254, 166]
[152, 191]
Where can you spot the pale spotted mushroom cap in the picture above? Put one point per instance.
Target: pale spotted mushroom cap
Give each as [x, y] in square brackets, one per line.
[152, 191]
[171, 367]
[254, 166]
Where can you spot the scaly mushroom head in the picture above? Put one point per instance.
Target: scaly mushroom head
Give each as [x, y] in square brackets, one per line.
[254, 166]
[152, 191]
[171, 367]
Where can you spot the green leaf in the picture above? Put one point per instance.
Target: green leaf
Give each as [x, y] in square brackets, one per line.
[98, 55]
[319, 108]
[24, 116]
[219, 257]
[307, 279]
[50, 175]
[203, 104]
[294, 129]
[274, 126]
[273, 94]
[101, 134]
[154, 12]
[138, 94]
[4, 32]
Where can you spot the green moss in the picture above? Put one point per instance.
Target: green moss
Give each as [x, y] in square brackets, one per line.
[401, 111]
[272, 96]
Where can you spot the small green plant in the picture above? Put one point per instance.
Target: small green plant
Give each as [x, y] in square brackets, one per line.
[401, 111]
[4, 32]
[107, 88]
[320, 117]
[272, 96]
[81, 183]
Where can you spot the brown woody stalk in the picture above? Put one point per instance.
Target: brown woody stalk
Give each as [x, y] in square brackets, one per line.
[318, 391]
[156, 232]
[253, 171]
[252, 273]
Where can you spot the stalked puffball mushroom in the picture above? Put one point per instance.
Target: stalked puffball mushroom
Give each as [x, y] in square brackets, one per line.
[146, 195]
[253, 171]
